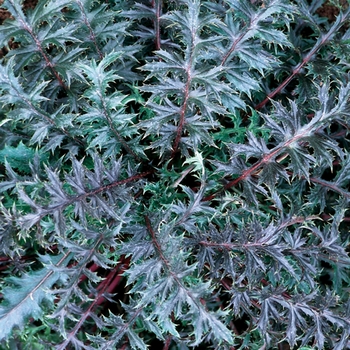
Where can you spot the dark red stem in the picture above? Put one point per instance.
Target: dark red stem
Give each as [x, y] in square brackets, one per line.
[297, 69]
[158, 6]
[167, 343]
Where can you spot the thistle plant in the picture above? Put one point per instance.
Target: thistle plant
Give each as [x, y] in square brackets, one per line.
[174, 174]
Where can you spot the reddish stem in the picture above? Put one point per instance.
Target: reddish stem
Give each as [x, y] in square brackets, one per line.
[109, 285]
[167, 343]
[182, 111]
[297, 69]
[43, 54]
[96, 191]
[250, 171]
[158, 6]
[87, 23]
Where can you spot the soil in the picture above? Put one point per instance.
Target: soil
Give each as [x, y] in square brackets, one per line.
[330, 11]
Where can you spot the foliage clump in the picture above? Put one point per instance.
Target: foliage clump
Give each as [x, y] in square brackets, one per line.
[174, 174]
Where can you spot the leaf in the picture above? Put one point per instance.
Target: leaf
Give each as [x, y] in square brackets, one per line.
[25, 295]
[20, 156]
[197, 162]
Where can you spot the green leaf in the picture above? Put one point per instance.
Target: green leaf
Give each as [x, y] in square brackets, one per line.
[24, 296]
[20, 157]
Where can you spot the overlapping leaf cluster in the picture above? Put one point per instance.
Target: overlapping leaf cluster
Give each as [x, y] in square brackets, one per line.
[174, 174]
